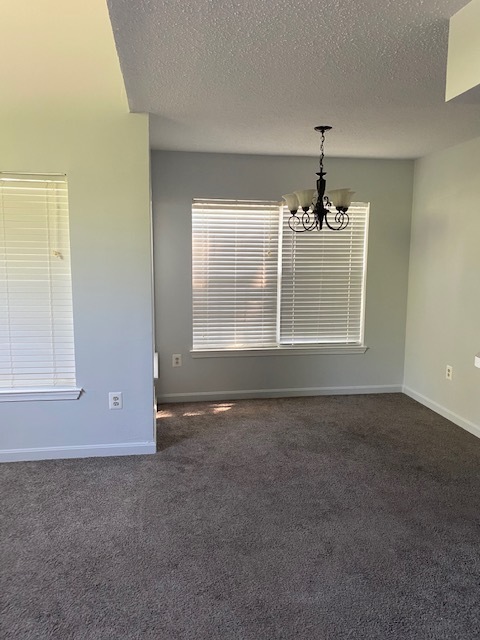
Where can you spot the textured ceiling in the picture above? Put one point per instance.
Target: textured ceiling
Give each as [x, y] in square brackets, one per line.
[255, 76]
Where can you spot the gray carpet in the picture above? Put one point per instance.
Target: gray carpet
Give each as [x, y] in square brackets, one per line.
[305, 518]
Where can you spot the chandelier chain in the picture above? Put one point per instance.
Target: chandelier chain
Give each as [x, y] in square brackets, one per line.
[322, 154]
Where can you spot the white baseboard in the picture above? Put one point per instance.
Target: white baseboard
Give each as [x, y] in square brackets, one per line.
[276, 393]
[79, 451]
[443, 411]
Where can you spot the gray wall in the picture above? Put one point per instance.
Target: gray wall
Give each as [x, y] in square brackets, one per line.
[179, 177]
[443, 325]
[106, 159]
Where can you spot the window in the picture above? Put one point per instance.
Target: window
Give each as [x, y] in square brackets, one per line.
[258, 285]
[322, 283]
[36, 317]
[235, 264]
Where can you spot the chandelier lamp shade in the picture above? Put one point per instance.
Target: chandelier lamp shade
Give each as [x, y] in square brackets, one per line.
[316, 207]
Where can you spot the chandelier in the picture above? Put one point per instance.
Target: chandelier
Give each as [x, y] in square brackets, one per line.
[317, 206]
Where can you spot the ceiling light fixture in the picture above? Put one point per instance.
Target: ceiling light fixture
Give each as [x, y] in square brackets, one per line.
[316, 206]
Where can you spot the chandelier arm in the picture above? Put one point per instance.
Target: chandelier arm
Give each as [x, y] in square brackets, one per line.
[341, 218]
[308, 222]
[293, 221]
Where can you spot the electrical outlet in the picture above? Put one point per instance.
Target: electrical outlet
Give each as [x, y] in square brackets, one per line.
[177, 360]
[115, 400]
[449, 372]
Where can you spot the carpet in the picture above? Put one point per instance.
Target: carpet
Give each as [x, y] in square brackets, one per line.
[342, 517]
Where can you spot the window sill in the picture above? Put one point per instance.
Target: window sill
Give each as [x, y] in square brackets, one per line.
[279, 351]
[50, 393]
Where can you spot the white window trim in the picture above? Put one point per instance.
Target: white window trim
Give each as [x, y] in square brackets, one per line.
[28, 395]
[281, 350]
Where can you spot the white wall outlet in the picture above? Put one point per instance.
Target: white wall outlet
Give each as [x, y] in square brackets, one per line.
[449, 372]
[115, 400]
[177, 360]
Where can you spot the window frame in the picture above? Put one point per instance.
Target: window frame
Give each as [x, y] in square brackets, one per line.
[50, 227]
[303, 348]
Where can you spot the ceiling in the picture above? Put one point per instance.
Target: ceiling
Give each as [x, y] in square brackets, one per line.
[49, 65]
[255, 76]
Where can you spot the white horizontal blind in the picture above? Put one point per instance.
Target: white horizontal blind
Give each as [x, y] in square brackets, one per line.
[36, 317]
[235, 259]
[323, 282]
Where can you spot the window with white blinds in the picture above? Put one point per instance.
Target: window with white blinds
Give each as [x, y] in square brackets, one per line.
[257, 284]
[323, 283]
[235, 263]
[36, 317]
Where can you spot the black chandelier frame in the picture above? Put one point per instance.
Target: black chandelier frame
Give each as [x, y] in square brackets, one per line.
[316, 217]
